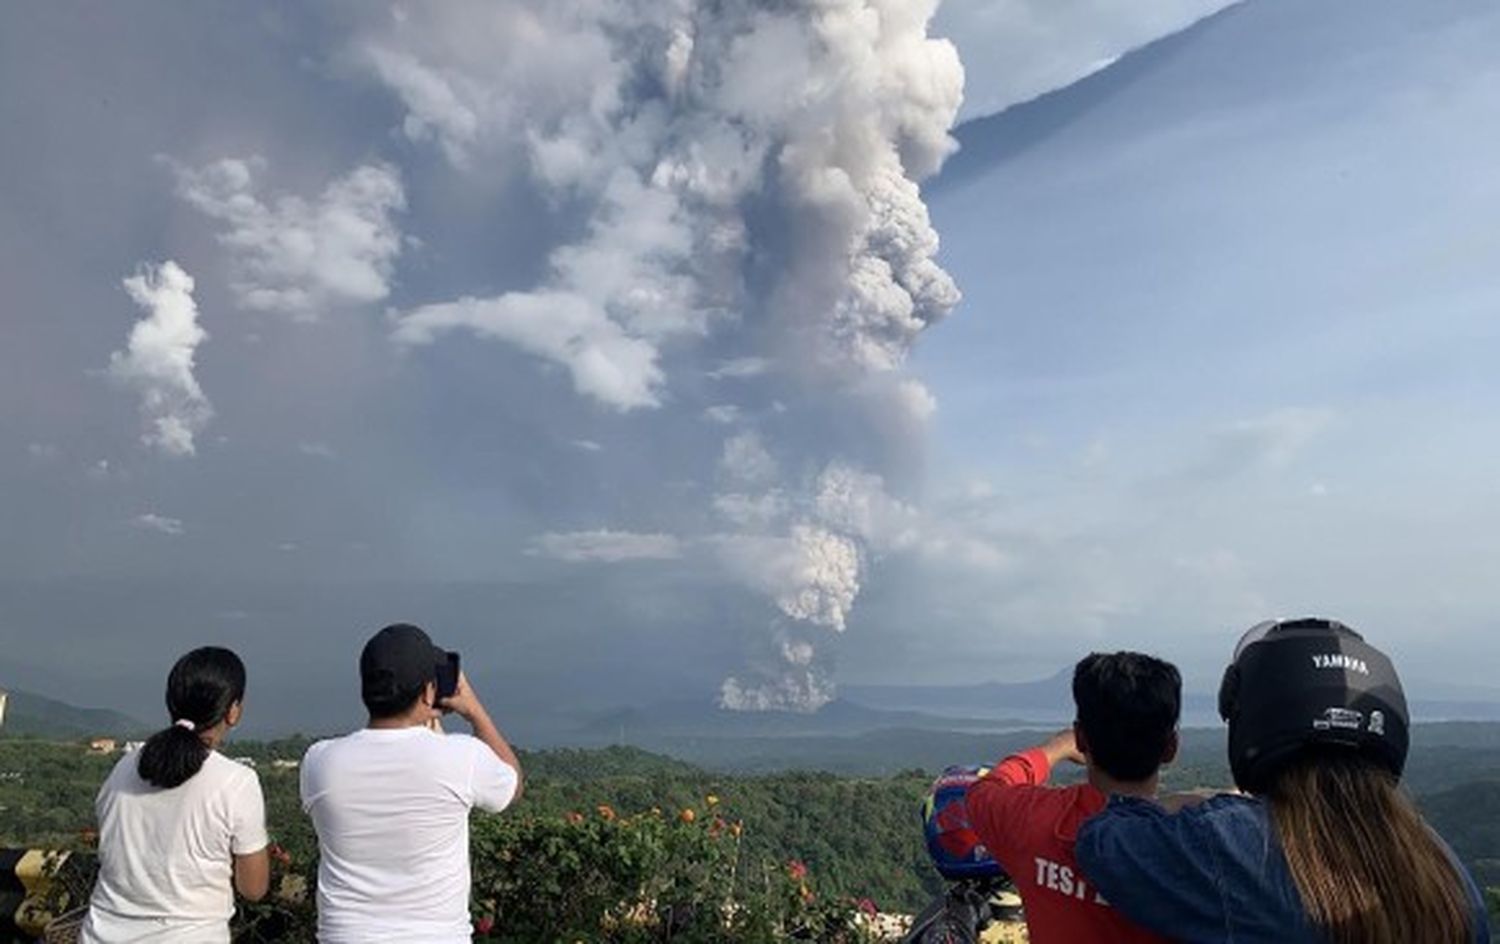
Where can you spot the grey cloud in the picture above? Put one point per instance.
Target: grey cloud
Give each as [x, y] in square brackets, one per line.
[748, 180]
[151, 521]
[606, 546]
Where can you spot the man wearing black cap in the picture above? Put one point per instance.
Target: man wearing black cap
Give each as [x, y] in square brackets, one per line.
[391, 801]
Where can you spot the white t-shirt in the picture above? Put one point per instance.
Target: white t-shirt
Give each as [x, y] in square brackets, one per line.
[391, 807]
[166, 867]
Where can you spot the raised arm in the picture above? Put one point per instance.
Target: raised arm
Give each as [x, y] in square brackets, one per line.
[466, 704]
[1001, 800]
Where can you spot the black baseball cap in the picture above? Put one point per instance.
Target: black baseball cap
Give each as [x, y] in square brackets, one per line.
[397, 662]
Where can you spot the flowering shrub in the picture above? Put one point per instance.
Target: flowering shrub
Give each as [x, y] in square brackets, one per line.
[648, 877]
[600, 876]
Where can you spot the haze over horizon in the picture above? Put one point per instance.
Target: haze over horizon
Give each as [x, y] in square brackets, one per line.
[608, 367]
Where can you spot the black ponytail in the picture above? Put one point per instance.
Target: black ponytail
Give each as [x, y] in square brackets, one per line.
[200, 689]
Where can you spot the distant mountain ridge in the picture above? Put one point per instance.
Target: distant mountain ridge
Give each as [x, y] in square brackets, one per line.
[31, 715]
[1047, 698]
[1048, 695]
[699, 718]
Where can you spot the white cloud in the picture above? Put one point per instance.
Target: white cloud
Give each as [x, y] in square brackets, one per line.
[158, 360]
[150, 521]
[740, 368]
[297, 256]
[746, 462]
[42, 452]
[724, 414]
[587, 445]
[435, 110]
[602, 359]
[605, 546]
[317, 450]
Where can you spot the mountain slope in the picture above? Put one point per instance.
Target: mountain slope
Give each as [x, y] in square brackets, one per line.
[29, 715]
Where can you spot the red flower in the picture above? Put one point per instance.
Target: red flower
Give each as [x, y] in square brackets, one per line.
[796, 869]
[280, 854]
[484, 925]
[868, 907]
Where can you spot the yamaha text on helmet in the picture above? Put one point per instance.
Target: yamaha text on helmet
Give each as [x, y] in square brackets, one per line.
[1309, 683]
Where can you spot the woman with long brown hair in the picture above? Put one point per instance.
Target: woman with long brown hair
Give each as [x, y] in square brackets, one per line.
[1323, 845]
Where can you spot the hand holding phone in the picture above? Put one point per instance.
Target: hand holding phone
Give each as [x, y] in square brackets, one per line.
[447, 679]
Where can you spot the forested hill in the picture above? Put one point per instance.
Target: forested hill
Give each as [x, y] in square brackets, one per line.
[29, 715]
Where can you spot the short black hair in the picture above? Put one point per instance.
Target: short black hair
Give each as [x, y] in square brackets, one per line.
[391, 703]
[1128, 706]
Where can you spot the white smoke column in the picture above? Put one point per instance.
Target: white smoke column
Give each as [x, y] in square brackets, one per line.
[749, 173]
[158, 360]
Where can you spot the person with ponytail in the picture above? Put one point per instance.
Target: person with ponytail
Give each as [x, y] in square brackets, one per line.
[1323, 845]
[180, 823]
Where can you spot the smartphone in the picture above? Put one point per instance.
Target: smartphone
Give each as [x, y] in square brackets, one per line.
[447, 676]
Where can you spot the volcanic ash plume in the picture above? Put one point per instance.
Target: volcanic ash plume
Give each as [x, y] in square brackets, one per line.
[748, 173]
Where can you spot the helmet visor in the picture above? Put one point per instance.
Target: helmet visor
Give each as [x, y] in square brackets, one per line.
[1254, 635]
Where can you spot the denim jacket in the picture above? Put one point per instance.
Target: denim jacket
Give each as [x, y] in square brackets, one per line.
[1210, 873]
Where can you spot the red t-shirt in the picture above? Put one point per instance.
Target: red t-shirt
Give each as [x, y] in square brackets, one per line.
[1030, 829]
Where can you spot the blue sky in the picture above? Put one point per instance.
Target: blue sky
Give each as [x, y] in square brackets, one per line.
[1223, 351]
[1229, 333]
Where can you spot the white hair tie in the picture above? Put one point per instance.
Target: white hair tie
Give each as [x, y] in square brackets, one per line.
[185, 723]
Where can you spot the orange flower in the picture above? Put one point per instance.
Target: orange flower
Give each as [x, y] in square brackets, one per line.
[606, 811]
[737, 828]
[687, 815]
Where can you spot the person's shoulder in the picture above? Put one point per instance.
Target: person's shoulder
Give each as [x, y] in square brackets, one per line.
[327, 753]
[1231, 818]
[462, 746]
[125, 772]
[329, 745]
[227, 770]
[1230, 807]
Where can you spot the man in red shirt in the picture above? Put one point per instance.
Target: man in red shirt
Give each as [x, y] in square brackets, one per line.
[1126, 728]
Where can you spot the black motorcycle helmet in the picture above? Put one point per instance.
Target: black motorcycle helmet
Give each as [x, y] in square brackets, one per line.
[1309, 683]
